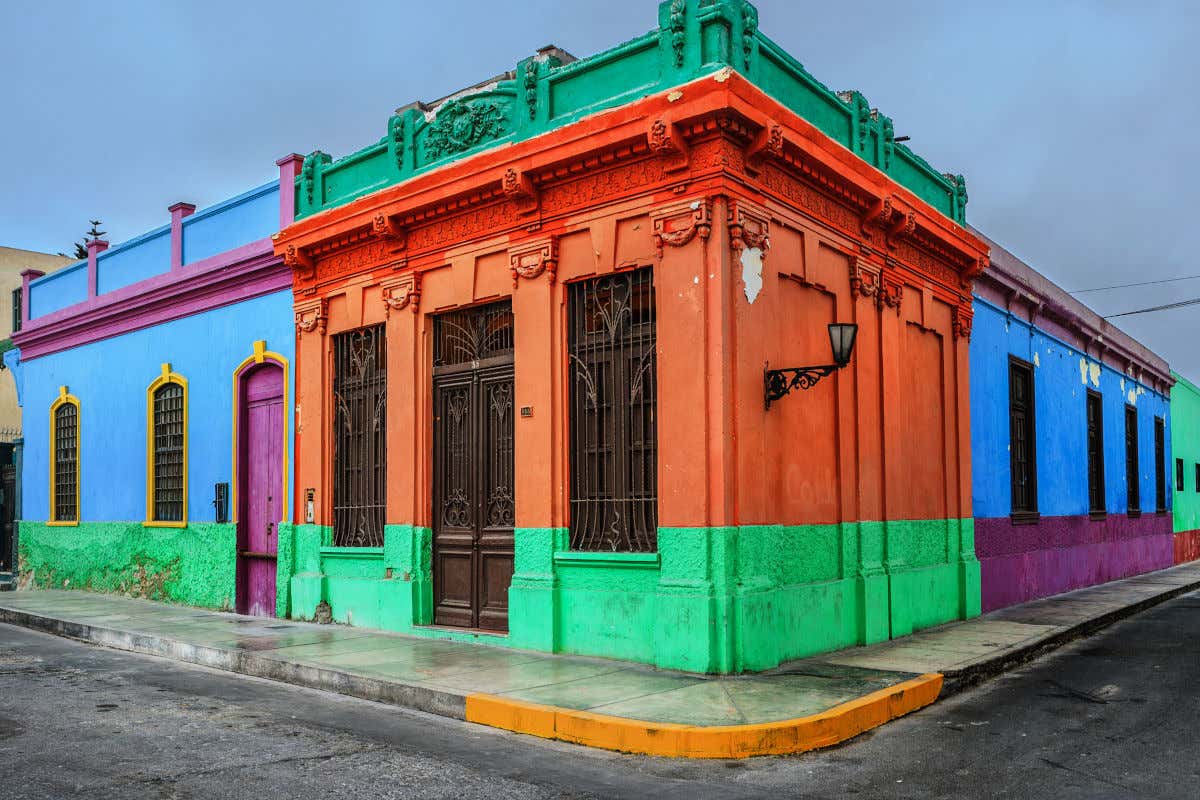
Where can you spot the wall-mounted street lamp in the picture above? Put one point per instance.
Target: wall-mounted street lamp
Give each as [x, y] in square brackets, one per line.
[778, 382]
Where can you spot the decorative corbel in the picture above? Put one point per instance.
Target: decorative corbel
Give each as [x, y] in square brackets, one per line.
[666, 140]
[864, 279]
[310, 317]
[519, 188]
[300, 262]
[678, 224]
[960, 321]
[386, 228]
[902, 228]
[531, 259]
[879, 215]
[402, 292]
[766, 145]
[891, 293]
[747, 229]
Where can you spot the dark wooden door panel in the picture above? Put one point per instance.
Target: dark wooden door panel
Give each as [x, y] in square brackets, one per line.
[473, 492]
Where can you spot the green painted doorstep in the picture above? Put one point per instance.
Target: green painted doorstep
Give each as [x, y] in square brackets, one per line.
[195, 565]
[712, 600]
[693, 38]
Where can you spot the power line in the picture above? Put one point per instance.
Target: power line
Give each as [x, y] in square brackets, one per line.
[1129, 285]
[1180, 304]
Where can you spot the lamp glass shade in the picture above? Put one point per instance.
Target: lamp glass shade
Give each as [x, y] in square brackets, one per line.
[841, 341]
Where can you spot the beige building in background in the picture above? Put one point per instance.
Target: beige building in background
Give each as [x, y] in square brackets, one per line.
[13, 262]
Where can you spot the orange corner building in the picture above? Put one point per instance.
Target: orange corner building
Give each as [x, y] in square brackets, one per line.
[534, 328]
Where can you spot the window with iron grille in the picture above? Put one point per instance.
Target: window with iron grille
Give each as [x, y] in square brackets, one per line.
[16, 310]
[1179, 474]
[168, 468]
[1095, 451]
[1133, 492]
[359, 419]
[1022, 440]
[66, 463]
[614, 409]
[1160, 464]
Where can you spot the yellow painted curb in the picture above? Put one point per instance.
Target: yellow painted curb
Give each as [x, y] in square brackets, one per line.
[828, 728]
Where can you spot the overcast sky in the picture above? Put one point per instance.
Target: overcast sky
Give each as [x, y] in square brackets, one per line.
[1076, 123]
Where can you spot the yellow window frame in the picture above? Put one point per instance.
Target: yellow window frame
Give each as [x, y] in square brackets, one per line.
[65, 398]
[167, 376]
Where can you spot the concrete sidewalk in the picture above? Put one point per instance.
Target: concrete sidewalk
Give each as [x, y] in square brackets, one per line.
[615, 705]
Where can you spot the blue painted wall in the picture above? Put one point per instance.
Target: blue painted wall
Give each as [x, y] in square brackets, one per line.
[144, 257]
[239, 220]
[1060, 398]
[110, 378]
[59, 289]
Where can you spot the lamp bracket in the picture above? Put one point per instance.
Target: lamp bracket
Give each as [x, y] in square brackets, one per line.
[778, 383]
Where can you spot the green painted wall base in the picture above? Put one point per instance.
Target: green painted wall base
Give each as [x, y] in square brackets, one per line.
[195, 565]
[712, 600]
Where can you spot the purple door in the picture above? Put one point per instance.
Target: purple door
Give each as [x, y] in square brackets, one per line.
[260, 487]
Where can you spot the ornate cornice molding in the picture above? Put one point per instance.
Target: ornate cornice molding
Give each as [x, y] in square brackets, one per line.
[726, 133]
[749, 227]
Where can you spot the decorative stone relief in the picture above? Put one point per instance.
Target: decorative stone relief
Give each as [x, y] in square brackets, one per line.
[666, 140]
[960, 321]
[295, 259]
[402, 292]
[462, 124]
[529, 260]
[519, 188]
[396, 134]
[677, 24]
[678, 224]
[767, 144]
[311, 316]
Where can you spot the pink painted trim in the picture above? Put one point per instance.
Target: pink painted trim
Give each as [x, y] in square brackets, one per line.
[245, 272]
[94, 248]
[178, 212]
[289, 168]
[27, 275]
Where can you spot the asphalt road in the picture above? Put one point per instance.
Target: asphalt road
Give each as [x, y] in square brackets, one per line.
[1114, 716]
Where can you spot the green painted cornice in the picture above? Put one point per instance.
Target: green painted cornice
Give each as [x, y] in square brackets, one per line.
[550, 90]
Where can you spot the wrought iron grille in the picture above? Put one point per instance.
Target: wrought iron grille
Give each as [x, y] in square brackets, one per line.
[359, 456]
[477, 342]
[66, 468]
[614, 410]
[470, 335]
[168, 453]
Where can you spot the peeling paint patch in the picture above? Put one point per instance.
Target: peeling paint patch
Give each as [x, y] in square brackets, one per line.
[1131, 396]
[1094, 373]
[696, 280]
[752, 272]
[673, 96]
[1037, 362]
[1083, 370]
[722, 74]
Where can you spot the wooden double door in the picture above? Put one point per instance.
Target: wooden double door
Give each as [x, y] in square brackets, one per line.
[473, 498]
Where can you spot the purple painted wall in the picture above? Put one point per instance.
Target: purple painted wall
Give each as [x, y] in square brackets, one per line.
[1060, 554]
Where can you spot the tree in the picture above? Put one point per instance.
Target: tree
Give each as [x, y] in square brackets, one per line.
[81, 247]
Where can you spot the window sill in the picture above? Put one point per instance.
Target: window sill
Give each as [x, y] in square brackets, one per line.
[1097, 516]
[150, 523]
[56, 524]
[625, 560]
[1025, 517]
[351, 552]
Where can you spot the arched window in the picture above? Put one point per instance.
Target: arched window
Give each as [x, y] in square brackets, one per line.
[64, 459]
[166, 450]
